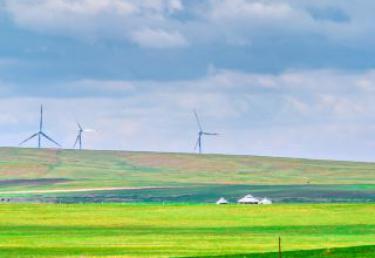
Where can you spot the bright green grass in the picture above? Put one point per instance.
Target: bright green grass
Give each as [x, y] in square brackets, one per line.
[92, 169]
[39, 230]
[352, 252]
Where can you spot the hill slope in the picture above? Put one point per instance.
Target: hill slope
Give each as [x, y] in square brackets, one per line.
[58, 172]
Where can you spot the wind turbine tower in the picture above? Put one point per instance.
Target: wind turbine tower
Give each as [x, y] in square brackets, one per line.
[200, 133]
[40, 133]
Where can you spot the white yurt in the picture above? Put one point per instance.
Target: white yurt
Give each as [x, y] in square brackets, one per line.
[248, 199]
[265, 201]
[222, 201]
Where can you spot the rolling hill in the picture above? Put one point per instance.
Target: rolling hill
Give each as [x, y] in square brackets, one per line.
[80, 176]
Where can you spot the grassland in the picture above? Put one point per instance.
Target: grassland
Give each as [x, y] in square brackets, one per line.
[167, 217]
[352, 252]
[178, 177]
[45, 230]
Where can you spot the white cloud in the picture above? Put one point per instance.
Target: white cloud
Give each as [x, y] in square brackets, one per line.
[70, 15]
[158, 38]
[243, 9]
[236, 22]
[93, 20]
[169, 6]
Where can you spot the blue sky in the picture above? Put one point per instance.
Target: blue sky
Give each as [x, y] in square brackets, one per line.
[282, 78]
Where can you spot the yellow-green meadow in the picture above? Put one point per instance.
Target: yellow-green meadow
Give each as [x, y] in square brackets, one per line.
[156, 230]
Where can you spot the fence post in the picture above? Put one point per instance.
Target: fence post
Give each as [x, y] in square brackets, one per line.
[280, 248]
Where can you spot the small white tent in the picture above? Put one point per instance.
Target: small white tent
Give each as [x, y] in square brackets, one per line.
[265, 201]
[248, 199]
[222, 201]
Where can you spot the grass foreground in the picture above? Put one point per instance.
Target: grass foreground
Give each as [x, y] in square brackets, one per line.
[176, 230]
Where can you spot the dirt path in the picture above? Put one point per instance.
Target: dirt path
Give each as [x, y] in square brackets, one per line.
[81, 190]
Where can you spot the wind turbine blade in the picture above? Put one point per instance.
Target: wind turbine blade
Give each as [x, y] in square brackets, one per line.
[79, 126]
[50, 139]
[205, 133]
[75, 143]
[198, 121]
[32, 136]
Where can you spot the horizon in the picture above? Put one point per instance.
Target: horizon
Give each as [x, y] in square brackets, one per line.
[278, 78]
[182, 153]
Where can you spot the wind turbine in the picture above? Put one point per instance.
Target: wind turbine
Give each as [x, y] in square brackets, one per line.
[200, 133]
[40, 133]
[79, 136]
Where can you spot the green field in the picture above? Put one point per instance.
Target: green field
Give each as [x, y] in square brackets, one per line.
[175, 177]
[150, 230]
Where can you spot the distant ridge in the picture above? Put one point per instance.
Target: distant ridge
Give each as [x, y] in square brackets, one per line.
[193, 177]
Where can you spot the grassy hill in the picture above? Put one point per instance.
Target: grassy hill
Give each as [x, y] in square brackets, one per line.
[146, 176]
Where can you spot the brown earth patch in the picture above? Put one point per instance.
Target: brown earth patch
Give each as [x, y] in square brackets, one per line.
[23, 169]
[39, 181]
[179, 162]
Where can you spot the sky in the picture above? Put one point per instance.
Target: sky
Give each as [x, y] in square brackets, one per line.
[291, 78]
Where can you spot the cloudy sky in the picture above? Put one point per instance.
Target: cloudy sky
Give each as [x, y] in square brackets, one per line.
[273, 77]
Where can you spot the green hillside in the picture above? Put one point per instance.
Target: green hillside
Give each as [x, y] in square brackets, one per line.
[144, 176]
